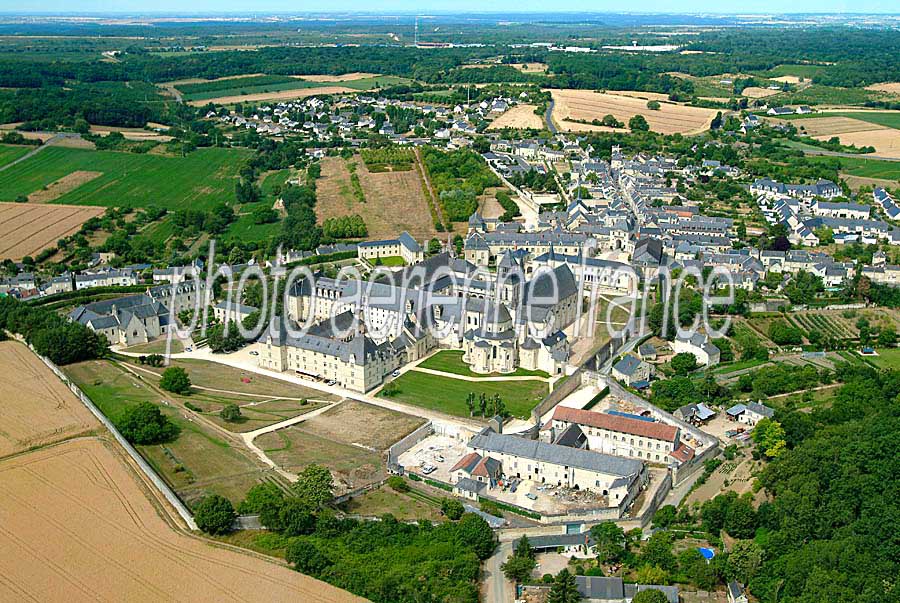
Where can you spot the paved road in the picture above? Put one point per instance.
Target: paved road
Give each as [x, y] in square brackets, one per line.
[497, 588]
[548, 117]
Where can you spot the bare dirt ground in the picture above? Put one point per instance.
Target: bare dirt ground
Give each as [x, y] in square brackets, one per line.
[60, 187]
[520, 116]
[788, 79]
[488, 206]
[270, 96]
[588, 105]
[37, 408]
[756, 92]
[531, 67]
[357, 423]
[890, 87]
[347, 77]
[395, 201]
[885, 140]
[79, 525]
[26, 229]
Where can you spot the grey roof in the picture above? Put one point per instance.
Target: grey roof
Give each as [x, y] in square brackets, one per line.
[490, 441]
[628, 365]
[470, 485]
[671, 592]
[553, 541]
[234, 306]
[761, 409]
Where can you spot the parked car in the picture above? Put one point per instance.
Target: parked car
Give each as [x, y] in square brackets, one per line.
[531, 496]
[395, 373]
[429, 469]
[254, 353]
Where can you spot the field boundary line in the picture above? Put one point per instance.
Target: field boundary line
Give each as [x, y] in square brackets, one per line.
[145, 467]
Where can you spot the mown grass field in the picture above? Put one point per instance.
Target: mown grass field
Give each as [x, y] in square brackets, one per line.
[10, 153]
[448, 395]
[450, 361]
[197, 181]
[198, 461]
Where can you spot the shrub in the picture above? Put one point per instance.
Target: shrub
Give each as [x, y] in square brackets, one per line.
[231, 413]
[145, 424]
[398, 483]
[175, 379]
[215, 515]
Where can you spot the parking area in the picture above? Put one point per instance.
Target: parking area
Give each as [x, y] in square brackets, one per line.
[437, 451]
[549, 563]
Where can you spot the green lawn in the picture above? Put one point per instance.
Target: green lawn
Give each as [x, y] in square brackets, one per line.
[199, 180]
[391, 261]
[9, 153]
[450, 361]
[448, 395]
[737, 366]
[888, 358]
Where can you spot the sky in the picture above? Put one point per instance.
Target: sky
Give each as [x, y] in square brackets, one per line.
[423, 6]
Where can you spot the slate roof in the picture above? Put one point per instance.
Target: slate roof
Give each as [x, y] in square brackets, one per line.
[627, 365]
[490, 441]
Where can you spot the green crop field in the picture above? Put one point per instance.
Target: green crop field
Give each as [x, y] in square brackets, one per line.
[9, 153]
[199, 180]
[448, 395]
[866, 168]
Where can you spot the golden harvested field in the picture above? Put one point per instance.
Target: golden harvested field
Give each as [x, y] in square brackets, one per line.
[395, 201]
[829, 126]
[27, 229]
[520, 116]
[37, 408]
[885, 140]
[757, 92]
[787, 79]
[60, 187]
[890, 87]
[270, 96]
[588, 105]
[79, 525]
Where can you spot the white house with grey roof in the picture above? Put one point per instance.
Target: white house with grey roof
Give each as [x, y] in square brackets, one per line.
[619, 479]
[631, 369]
[701, 346]
[403, 246]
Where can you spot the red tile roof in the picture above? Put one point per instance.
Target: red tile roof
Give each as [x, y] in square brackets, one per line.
[657, 431]
[682, 453]
[467, 462]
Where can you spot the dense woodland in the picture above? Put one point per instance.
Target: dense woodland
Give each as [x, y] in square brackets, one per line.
[62, 88]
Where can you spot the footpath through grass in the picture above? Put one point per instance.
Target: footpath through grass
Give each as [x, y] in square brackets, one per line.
[448, 395]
